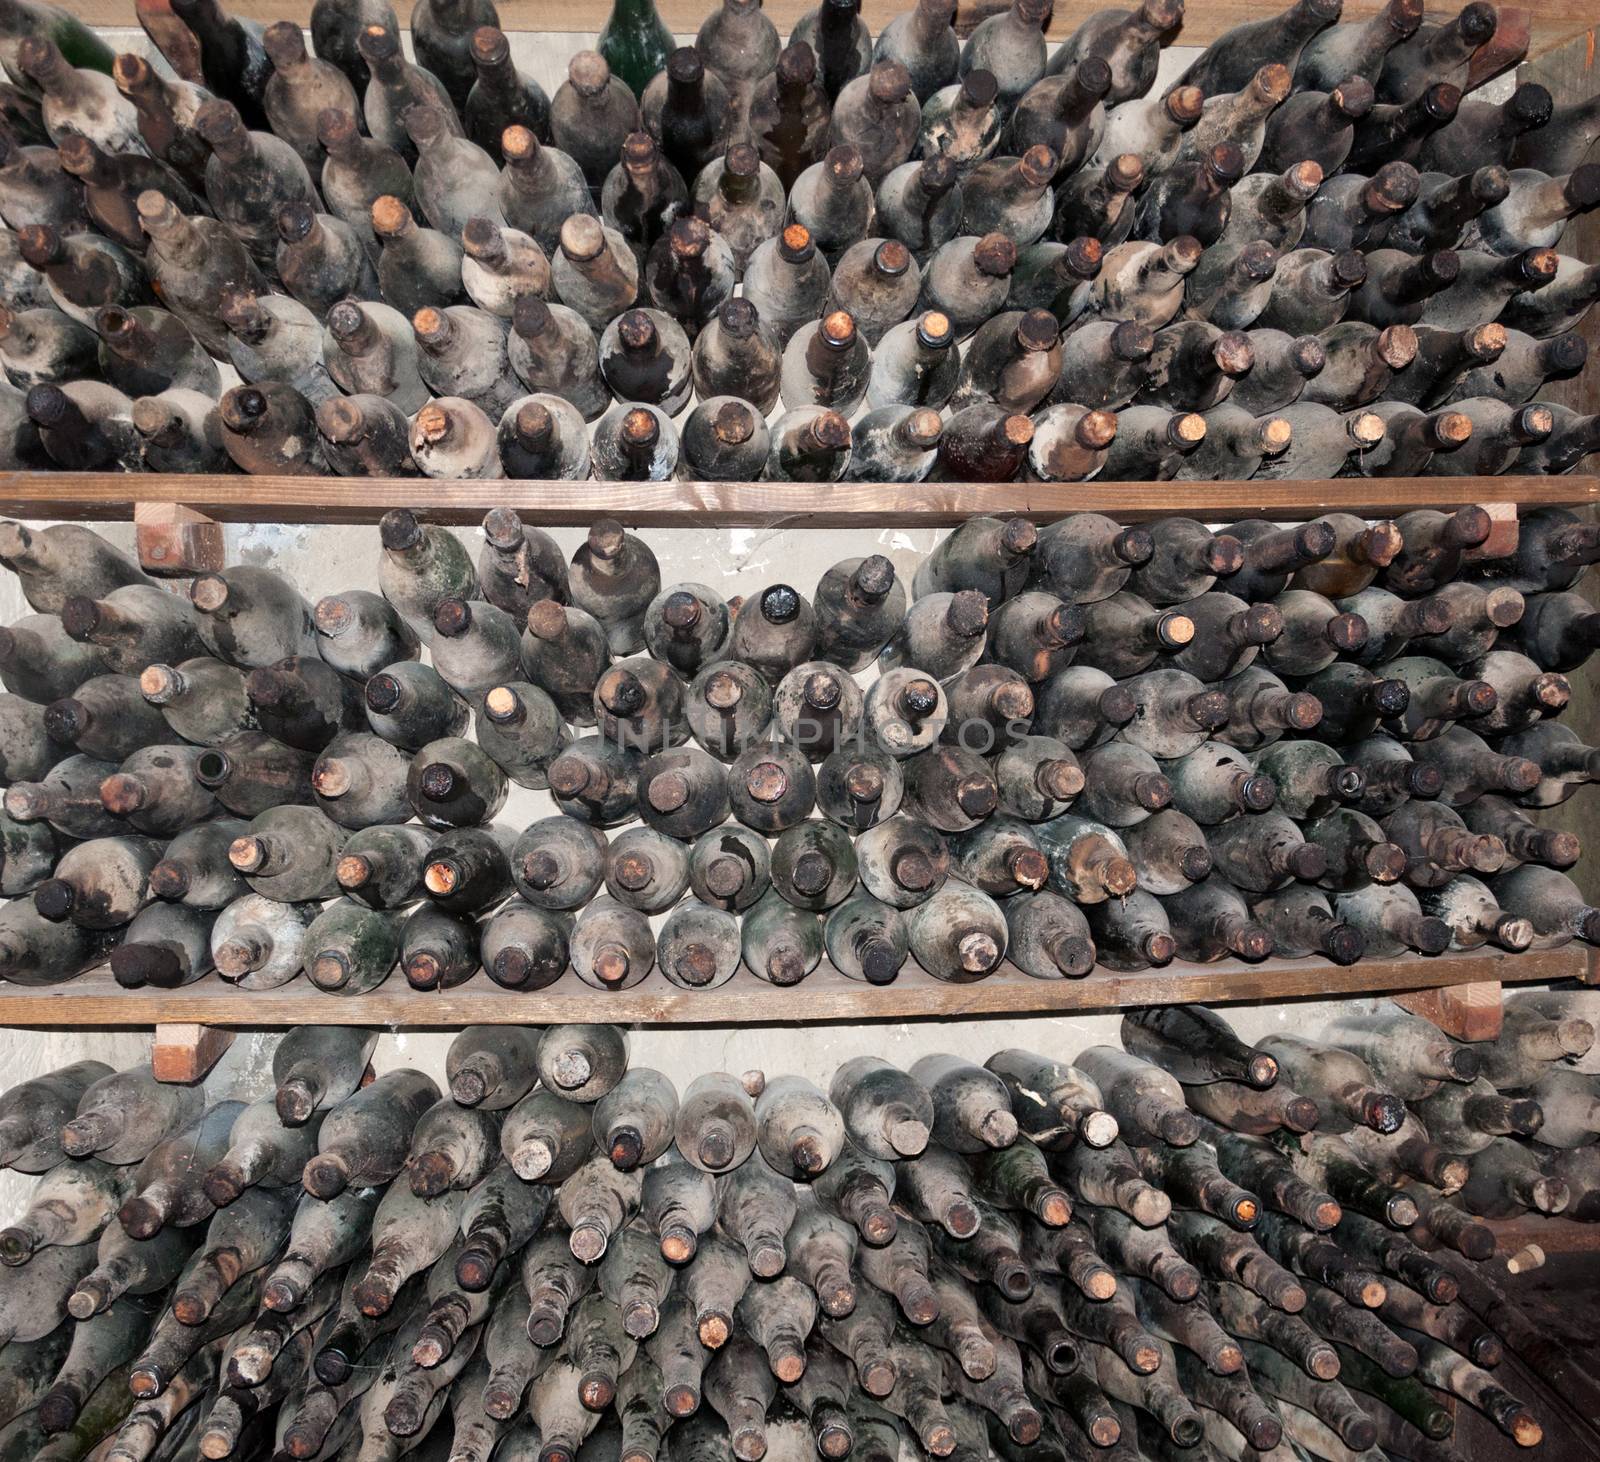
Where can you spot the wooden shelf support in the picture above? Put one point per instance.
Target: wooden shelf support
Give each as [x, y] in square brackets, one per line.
[185, 1053]
[1503, 533]
[175, 541]
[1470, 1012]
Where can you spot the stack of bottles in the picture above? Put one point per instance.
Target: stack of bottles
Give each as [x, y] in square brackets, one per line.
[1083, 743]
[1186, 1247]
[1314, 255]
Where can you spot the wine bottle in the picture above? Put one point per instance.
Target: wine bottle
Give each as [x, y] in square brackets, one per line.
[690, 272]
[364, 1139]
[1010, 46]
[972, 1112]
[737, 354]
[968, 279]
[699, 946]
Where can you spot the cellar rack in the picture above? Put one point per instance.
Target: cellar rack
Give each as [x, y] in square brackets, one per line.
[178, 516]
[178, 533]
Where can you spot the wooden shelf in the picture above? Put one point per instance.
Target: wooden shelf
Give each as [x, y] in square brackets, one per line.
[239, 498]
[95, 999]
[1549, 21]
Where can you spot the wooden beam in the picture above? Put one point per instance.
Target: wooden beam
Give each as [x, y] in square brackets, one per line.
[185, 1052]
[1471, 1012]
[95, 999]
[1550, 21]
[236, 498]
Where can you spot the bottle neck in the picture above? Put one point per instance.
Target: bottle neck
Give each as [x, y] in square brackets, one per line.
[91, 1132]
[1280, 202]
[635, 15]
[299, 1094]
[61, 82]
[246, 1165]
[109, 1282]
[685, 97]
[1546, 205]
[532, 174]
[212, 25]
[1447, 48]
[39, 1228]
[926, 26]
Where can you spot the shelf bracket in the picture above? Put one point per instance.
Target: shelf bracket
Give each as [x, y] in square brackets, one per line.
[185, 1054]
[1471, 1012]
[175, 541]
[1503, 533]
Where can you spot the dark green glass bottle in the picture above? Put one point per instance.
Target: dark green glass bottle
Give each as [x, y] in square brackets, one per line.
[635, 42]
[80, 46]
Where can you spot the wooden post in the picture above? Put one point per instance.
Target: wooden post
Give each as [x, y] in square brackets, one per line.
[1467, 1012]
[185, 1054]
[174, 541]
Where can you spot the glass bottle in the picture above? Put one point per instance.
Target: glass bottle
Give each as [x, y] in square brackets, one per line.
[635, 42]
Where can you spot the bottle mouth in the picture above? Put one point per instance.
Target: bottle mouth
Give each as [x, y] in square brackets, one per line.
[54, 899]
[133, 965]
[1073, 955]
[786, 966]
[717, 1146]
[724, 876]
[611, 964]
[625, 1147]
[1343, 944]
[1383, 1112]
[697, 966]
[1160, 949]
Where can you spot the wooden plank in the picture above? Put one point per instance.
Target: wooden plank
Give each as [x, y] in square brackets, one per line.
[95, 999]
[1550, 21]
[241, 499]
[184, 1053]
[1467, 1012]
[1553, 1234]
